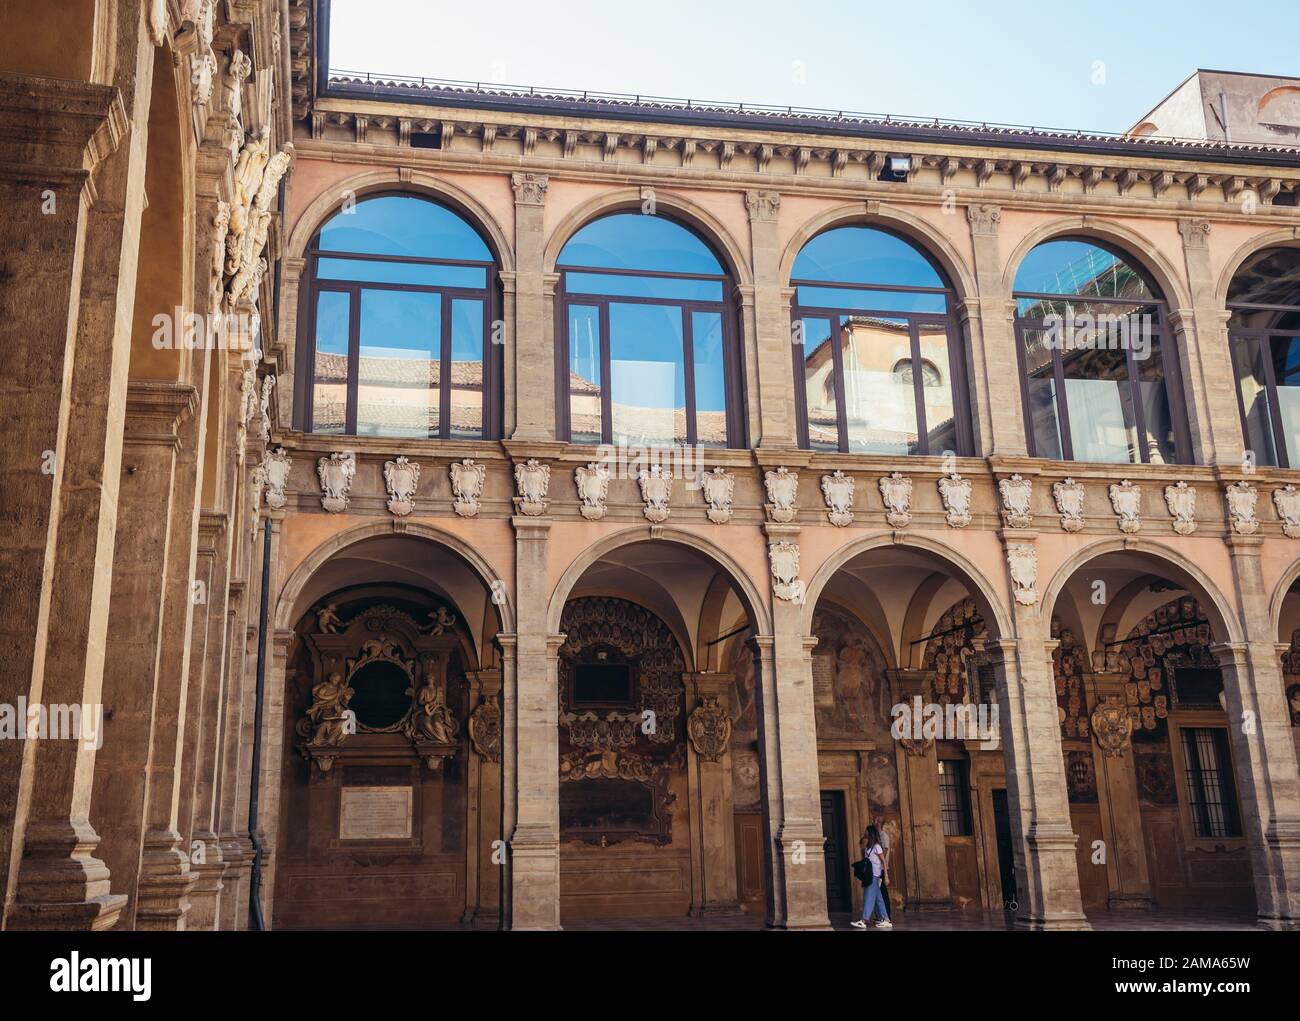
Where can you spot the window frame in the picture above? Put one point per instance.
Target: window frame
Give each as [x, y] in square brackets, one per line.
[727, 309]
[1262, 335]
[1183, 450]
[915, 320]
[489, 296]
[1210, 721]
[959, 770]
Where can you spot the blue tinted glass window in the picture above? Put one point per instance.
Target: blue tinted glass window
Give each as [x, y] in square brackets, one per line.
[639, 241]
[864, 255]
[423, 274]
[1082, 269]
[670, 288]
[403, 225]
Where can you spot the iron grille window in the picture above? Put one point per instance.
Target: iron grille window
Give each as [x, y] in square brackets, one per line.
[953, 798]
[1207, 775]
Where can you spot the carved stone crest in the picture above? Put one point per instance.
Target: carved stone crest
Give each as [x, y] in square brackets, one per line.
[784, 558]
[533, 480]
[1068, 495]
[275, 476]
[709, 727]
[336, 473]
[1180, 498]
[1242, 497]
[782, 490]
[719, 486]
[1287, 502]
[1016, 493]
[203, 75]
[1022, 560]
[593, 487]
[837, 491]
[466, 486]
[954, 491]
[1112, 726]
[896, 491]
[401, 477]
[656, 489]
[1126, 499]
[485, 729]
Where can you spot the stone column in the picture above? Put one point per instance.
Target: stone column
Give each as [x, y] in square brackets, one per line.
[233, 848]
[773, 339]
[924, 850]
[509, 767]
[713, 829]
[1121, 813]
[58, 482]
[788, 752]
[1047, 874]
[272, 758]
[534, 350]
[206, 858]
[1260, 727]
[483, 806]
[535, 713]
[1201, 336]
[988, 322]
[156, 413]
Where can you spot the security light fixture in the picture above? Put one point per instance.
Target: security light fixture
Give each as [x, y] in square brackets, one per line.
[896, 168]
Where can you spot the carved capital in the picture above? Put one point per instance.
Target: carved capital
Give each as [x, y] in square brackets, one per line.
[984, 219]
[1196, 233]
[762, 205]
[530, 189]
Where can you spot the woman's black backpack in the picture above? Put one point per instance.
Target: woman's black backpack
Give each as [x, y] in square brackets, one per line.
[862, 871]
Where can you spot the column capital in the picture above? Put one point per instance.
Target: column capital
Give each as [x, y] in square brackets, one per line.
[54, 127]
[529, 188]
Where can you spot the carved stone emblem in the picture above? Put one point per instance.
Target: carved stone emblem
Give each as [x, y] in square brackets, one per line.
[782, 491]
[954, 491]
[203, 75]
[237, 72]
[1180, 498]
[1242, 498]
[1287, 502]
[533, 480]
[485, 729]
[1068, 495]
[1112, 726]
[719, 486]
[709, 727]
[336, 473]
[256, 177]
[784, 558]
[275, 476]
[593, 487]
[656, 489]
[401, 478]
[1126, 498]
[1016, 493]
[1022, 559]
[837, 491]
[466, 486]
[896, 491]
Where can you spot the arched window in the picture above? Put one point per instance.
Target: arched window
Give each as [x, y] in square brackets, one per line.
[1264, 333]
[1099, 383]
[645, 337]
[398, 305]
[878, 363]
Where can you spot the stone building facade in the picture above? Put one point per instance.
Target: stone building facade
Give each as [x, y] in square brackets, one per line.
[461, 602]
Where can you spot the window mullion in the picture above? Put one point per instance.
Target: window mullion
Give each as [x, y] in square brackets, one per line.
[606, 384]
[354, 358]
[688, 358]
[918, 387]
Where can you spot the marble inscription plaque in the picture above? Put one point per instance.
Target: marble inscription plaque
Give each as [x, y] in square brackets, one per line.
[375, 813]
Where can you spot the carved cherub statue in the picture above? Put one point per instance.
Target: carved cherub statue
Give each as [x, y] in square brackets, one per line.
[438, 621]
[329, 710]
[327, 619]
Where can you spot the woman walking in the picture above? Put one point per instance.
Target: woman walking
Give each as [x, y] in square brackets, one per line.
[872, 901]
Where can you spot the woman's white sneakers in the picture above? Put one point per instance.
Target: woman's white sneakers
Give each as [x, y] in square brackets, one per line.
[859, 924]
[885, 924]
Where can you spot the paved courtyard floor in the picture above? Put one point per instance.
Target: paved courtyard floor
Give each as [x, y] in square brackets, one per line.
[1156, 920]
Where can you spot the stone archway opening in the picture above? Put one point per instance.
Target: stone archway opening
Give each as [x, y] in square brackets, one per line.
[906, 689]
[1143, 671]
[389, 800]
[661, 807]
[1288, 639]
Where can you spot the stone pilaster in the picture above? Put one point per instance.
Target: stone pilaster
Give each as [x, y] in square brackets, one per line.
[713, 830]
[1259, 726]
[58, 483]
[1204, 361]
[988, 324]
[773, 347]
[534, 350]
[923, 850]
[233, 849]
[534, 712]
[1047, 874]
[483, 854]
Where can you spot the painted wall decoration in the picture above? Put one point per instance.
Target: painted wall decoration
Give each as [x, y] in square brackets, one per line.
[1081, 778]
[955, 654]
[1071, 697]
[850, 691]
[1174, 636]
[1155, 774]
